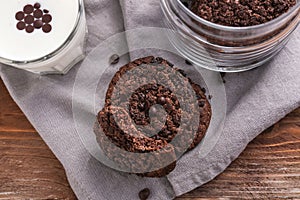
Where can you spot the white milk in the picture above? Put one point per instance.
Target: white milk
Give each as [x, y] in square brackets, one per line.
[20, 46]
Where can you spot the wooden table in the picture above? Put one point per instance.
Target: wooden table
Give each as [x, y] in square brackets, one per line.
[268, 168]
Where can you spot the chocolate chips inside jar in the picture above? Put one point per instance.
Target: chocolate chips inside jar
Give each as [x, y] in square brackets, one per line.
[230, 35]
[240, 13]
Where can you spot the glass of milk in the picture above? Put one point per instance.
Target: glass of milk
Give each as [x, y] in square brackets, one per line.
[42, 36]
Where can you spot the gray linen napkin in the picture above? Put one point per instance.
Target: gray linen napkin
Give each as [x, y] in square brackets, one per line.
[47, 103]
[255, 100]
[267, 94]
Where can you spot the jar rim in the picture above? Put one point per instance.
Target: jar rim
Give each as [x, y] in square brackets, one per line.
[232, 28]
[80, 12]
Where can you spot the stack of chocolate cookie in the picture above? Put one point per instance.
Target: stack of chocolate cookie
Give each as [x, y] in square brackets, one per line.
[122, 128]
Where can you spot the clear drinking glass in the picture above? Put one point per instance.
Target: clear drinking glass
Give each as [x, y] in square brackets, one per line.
[65, 55]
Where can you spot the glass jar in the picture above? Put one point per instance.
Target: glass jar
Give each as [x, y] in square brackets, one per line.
[224, 48]
[42, 51]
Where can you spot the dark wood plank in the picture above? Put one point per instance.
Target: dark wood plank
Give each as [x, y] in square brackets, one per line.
[12, 118]
[28, 169]
[269, 168]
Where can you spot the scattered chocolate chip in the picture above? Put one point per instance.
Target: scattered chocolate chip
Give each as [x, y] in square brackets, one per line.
[37, 24]
[28, 9]
[223, 76]
[201, 103]
[47, 28]
[161, 100]
[203, 90]
[32, 12]
[20, 15]
[144, 194]
[29, 19]
[210, 97]
[21, 25]
[153, 60]
[114, 59]
[46, 11]
[142, 96]
[188, 62]
[37, 5]
[47, 18]
[38, 13]
[29, 29]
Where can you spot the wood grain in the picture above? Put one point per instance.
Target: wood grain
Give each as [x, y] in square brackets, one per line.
[28, 169]
[269, 168]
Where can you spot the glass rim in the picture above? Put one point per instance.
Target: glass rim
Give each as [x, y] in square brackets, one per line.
[236, 29]
[56, 51]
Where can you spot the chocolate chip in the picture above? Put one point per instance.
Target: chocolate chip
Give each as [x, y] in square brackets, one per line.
[37, 5]
[223, 76]
[38, 13]
[210, 97]
[28, 9]
[47, 28]
[144, 194]
[46, 11]
[141, 106]
[141, 96]
[29, 29]
[161, 100]
[203, 90]
[188, 62]
[21, 25]
[29, 19]
[37, 24]
[114, 59]
[47, 18]
[159, 60]
[153, 60]
[20, 15]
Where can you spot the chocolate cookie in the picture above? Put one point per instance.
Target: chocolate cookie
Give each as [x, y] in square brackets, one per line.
[122, 125]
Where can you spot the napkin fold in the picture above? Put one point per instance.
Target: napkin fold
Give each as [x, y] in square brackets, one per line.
[256, 99]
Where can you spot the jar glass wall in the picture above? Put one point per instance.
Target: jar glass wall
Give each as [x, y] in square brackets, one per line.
[225, 48]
